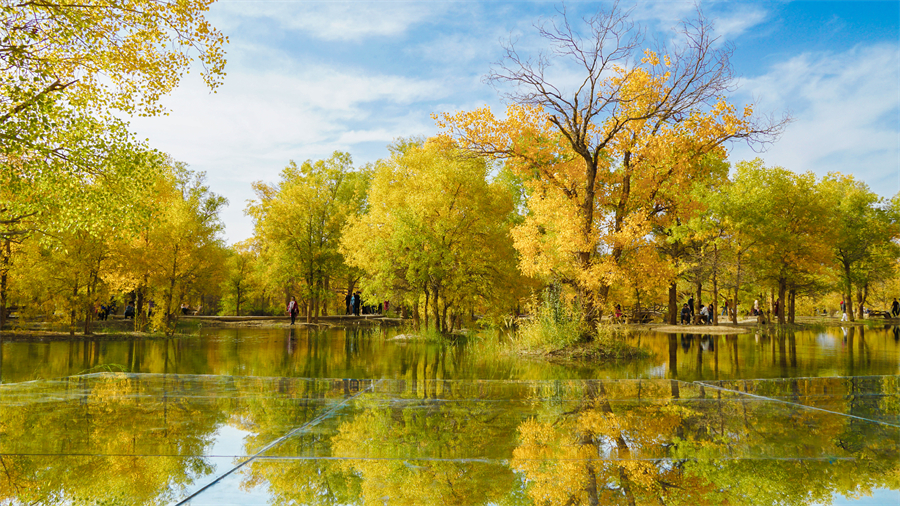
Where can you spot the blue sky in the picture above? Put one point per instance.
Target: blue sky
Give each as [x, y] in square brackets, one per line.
[308, 78]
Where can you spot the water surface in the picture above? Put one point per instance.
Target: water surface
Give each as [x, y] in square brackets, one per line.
[267, 416]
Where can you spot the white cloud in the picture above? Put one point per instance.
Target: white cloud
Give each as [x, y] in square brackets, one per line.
[845, 108]
[730, 25]
[332, 21]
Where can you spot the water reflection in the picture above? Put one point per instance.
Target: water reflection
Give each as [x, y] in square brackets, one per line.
[151, 439]
[368, 353]
[354, 417]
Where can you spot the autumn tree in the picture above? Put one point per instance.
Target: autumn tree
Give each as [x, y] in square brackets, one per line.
[602, 155]
[298, 223]
[173, 251]
[786, 219]
[436, 225]
[866, 231]
[65, 67]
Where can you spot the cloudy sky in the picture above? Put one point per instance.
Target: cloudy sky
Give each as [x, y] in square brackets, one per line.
[307, 78]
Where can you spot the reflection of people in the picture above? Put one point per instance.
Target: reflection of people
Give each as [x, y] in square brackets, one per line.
[293, 309]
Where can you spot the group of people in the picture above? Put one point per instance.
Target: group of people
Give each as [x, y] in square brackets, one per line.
[353, 305]
[706, 313]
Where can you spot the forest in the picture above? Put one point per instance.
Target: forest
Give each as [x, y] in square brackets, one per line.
[620, 192]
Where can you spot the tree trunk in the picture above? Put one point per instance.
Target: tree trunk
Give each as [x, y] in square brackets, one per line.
[792, 307]
[5, 257]
[435, 303]
[673, 304]
[698, 302]
[715, 312]
[861, 296]
[427, 298]
[782, 290]
[737, 287]
[72, 314]
[326, 285]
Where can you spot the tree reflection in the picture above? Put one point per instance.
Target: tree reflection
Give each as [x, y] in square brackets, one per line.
[656, 445]
[119, 442]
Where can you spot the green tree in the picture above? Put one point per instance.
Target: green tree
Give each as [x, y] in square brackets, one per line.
[299, 222]
[786, 221]
[866, 230]
[437, 226]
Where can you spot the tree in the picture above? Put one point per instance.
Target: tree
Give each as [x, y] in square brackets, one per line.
[172, 251]
[865, 231]
[238, 276]
[299, 221]
[65, 67]
[786, 219]
[101, 54]
[603, 154]
[436, 225]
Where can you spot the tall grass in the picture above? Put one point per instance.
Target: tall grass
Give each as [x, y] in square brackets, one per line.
[553, 324]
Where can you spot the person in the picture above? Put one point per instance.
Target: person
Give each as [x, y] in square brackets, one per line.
[691, 306]
[618, 313]
[895, 308]
[184, 308]
[357, 300]
[777, 305]
[711, 313]
[704, 314]
[725, 309]
[129, 311]
[348, 301]
[293, 309]
[755, 310]
[104, 311]
[150, 306]
[685, 315]
[843, 311]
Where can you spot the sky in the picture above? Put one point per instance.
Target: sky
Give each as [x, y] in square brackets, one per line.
[307, 78]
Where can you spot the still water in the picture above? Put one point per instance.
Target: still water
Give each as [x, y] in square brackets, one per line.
[373, 354]
[351, 416]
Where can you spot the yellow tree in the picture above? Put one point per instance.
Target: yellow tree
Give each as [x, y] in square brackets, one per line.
[436, 225]
[605, 158]
[298, 224]
[172, 251]
[66, 66]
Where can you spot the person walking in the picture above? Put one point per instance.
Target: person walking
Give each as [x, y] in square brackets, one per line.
[843, 312]
[293, 309]
[895, 308]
